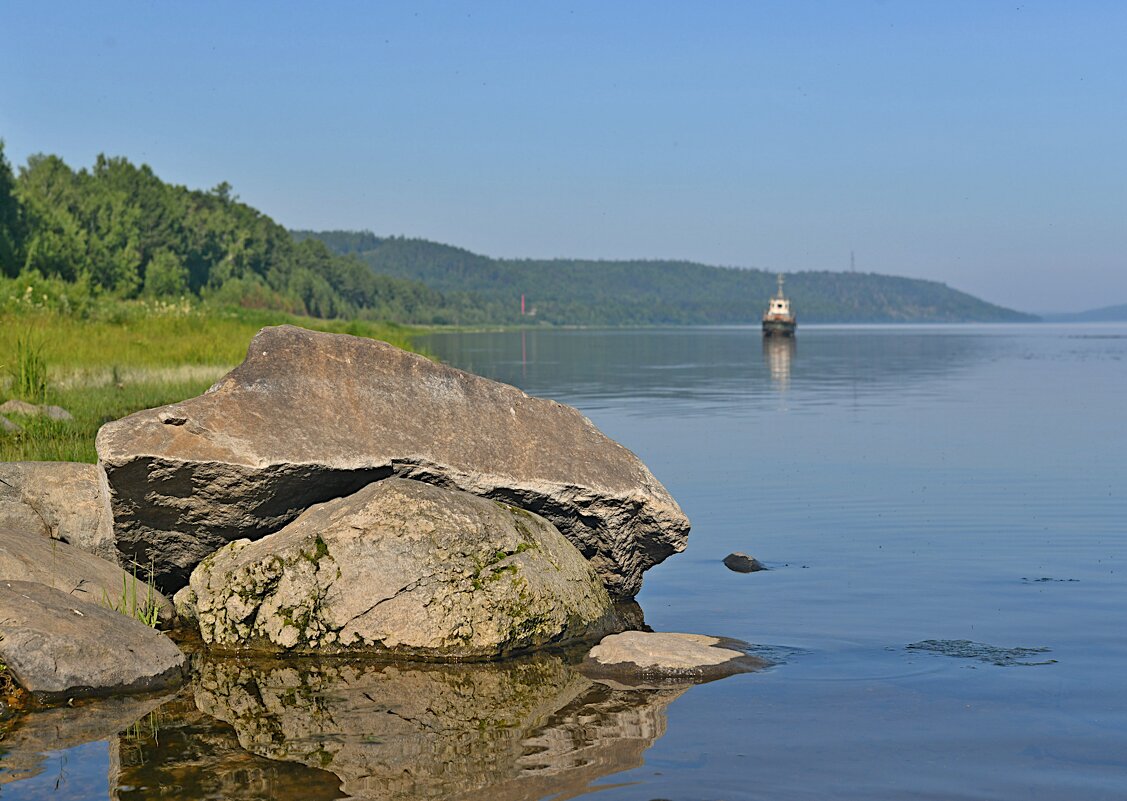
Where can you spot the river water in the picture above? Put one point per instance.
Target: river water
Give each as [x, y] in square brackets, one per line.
[944, 516]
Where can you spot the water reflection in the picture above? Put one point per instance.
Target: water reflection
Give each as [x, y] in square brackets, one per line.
[777, 354]
[523, 729]
[182, 754]
[32, 738]
[711, 366]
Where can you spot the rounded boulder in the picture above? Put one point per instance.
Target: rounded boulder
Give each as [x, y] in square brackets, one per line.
[401, 567]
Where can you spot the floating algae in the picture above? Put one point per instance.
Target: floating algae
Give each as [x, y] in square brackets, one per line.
[990, 654]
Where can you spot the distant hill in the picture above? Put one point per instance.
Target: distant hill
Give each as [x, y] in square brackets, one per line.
[584, 292]
[1105, 314]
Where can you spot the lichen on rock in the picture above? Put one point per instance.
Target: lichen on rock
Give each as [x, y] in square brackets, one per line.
[401, 567]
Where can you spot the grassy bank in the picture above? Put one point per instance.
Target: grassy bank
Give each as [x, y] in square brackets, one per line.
[126, 357]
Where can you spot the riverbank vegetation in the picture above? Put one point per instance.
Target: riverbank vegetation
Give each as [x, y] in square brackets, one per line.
[116, 356]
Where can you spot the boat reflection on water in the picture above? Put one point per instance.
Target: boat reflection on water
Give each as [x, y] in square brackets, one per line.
[522, 729]
[778, 352]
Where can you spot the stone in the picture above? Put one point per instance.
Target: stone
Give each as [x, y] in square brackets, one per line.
[56, 413]
[17, 406]
[401, 567]
[520, 729]
[64, 501]
[742, 563]
[638, 657]
[28, 556]
[8, 426]
[310, 416]
[58, 647]
[26, 409]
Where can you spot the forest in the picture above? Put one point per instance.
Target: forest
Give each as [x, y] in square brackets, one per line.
[117, 230]
[600, 292]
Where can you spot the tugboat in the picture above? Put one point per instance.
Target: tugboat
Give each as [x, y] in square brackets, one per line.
[778, 321]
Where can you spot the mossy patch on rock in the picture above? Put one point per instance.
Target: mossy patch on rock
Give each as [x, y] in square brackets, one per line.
[402, 567]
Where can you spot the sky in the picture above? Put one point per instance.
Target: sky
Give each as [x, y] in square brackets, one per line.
[981, 144]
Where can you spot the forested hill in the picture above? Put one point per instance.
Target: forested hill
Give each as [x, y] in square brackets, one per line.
[117, 230]
[580, 292]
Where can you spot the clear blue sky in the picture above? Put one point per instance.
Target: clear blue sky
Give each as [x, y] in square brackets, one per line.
[983, 144]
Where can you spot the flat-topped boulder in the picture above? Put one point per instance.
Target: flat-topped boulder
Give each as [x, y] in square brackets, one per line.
[309, 416]
[636, 658]
[402, 568]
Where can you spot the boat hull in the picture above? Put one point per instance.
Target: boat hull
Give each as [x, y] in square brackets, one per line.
[779, 328]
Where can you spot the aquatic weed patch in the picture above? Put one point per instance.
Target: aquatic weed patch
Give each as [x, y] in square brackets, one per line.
[990, 654]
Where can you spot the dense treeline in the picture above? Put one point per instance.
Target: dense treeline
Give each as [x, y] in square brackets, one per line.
[117, 229]
[659, 292]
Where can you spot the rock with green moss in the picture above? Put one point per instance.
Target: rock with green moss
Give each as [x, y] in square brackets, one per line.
[401, 567]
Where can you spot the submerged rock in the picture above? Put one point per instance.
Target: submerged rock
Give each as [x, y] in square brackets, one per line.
[405, 567]
[65, 501]
[57, 647]
[310, 416]
[638, 657]
[742, 563]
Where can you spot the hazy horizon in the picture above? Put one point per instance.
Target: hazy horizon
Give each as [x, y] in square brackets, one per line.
[973, 143]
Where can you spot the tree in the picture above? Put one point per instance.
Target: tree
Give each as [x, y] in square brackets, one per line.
[11, 220]
[166, 275]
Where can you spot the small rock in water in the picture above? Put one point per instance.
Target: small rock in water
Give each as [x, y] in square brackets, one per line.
[742, 563]
[635, 657]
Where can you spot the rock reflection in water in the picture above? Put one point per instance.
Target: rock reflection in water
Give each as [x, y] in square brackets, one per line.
[181, 753]
[517, 730]
[33, 735]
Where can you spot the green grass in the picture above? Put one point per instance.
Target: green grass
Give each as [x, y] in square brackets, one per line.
[128, 357]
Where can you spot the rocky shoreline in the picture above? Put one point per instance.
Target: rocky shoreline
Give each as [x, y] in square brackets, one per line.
[333, 495]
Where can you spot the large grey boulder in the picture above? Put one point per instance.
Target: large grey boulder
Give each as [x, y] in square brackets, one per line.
[310, 416]
[405, 567]
[28, 556]
[65, 501]
[59, 647]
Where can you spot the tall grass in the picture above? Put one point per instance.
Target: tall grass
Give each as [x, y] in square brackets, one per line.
[128, 357]
[28, 370]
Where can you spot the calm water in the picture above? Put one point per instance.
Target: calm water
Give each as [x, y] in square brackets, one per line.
[955, 489]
